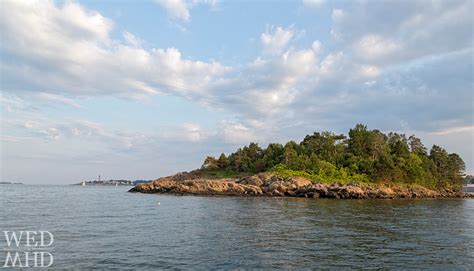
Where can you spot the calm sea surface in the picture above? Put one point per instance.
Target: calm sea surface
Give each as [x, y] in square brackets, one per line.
[106, 228]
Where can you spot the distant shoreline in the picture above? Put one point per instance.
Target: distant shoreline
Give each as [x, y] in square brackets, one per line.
[111, 183]
[468, 188]
[105, 183]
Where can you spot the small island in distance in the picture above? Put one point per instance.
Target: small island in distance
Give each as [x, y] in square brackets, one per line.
[10, 183]
[364, 164]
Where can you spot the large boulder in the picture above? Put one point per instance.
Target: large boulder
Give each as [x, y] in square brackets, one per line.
[384, 193]
[251, 180]
[351, 192]
[198, 187]
[291, 186]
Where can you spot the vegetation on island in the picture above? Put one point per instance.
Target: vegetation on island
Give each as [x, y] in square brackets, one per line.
[365, 156]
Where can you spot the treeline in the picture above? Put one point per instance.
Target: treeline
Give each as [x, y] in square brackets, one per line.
[363, 155]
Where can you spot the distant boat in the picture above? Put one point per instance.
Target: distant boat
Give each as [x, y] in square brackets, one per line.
[116, 184]
[83, 184]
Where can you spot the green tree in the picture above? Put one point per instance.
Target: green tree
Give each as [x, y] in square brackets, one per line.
[414, 170]
[291, 156]
[210, 163]
[416, 146]
[359, 141]
[398, 144]
[384, 167]
[326, 145]
[377, 145]
[440, 159]
[273, 155]
[367, 154]
[456, 168]
[222, 161]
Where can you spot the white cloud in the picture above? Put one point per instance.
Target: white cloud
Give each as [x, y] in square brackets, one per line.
[338, 15]
[275, 82]
[9, 138]
[331, 63]
[81, 58]
[48, 97]
[369, 71]
[76, 131]
[131, 39]
[237, 133]
[414, 29]
[176, 8]
[186, 133]
[22, 102]
[374, 47]
[193, 132]
[313, 3]
[11, 103]
[395, 66]
[457, 130]
[317, 47]
[276, 42]
[180, 9]
[268, 85]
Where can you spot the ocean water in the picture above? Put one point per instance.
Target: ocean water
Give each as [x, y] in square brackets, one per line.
[108, 228]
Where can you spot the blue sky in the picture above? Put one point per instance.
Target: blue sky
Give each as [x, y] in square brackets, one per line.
[141, 89]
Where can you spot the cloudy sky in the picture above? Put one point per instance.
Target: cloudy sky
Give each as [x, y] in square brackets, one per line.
[141, 89]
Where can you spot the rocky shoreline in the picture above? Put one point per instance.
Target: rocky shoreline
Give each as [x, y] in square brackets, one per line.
[266, 184]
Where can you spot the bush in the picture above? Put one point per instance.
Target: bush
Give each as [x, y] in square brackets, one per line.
[329, 174]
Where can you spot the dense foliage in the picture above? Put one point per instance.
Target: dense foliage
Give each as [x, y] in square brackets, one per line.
[364, 156]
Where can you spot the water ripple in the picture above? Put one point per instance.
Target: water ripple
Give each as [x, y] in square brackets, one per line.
[108, 228]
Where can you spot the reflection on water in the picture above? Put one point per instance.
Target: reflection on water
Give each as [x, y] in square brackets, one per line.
[105, 227]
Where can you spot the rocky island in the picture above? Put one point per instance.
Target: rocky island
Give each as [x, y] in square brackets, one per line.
[367, 164]
[267, 184]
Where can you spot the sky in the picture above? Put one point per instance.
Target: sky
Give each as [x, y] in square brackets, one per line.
[142, 89]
